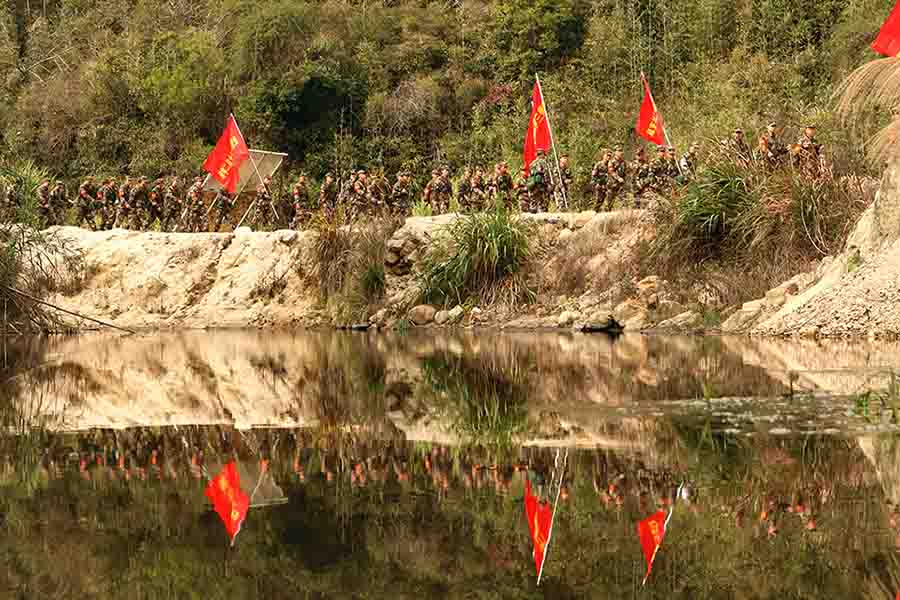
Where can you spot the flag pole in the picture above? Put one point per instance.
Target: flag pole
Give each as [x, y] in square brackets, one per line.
[552, 139]
[659, 112]
[555, 505]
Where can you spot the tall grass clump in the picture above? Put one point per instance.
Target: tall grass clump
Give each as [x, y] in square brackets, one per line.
[733, 215]
[480, 257]
[18, 192]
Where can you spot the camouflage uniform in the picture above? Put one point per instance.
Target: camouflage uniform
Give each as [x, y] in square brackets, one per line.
[740, 151]
[503, 184]
[300, 210]
[196, 211]
[357, 201]
[59, 202]
[442, 192]
[261, 207]
[173, 206]
[777, 151]
[124, 208]
[106, 204]
[223, 204]
[659, 169]
[564, 185]
[599, 179]
[87, 191]
[155, 207]
[138, 199]
[479, 194]
[328, 194]
[401, 196]
[615, 178]
[688, 163]
[540, 184]
[45, 207]
[808, 157]
[520, 187]
[464, 191]
[643, 178]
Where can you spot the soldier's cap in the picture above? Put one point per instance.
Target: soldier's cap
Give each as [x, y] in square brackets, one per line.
[361, 172]
[540, 151]
[772, 125]
[329, 174]
[58, 182]
[617, 149]
[739, 130]
[810, 127]
[661, 149]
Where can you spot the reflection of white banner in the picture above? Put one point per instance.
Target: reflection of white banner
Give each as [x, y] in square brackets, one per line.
[266, 162]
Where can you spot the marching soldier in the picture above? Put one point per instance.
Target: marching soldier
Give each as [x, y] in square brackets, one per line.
[192, 220]
[378, 192]
[300, 207]
[173, 206]
[155, 208]
[615, 178]
[428, 194]
[643, 176]
[464, 191]
[328, 194]
[442, 191]
[688, 162]
[106, 204]
[659, 169]
[599, 180]
[263, 203]
[59, 202]
[540, 183]
[478, 194]
[357, 201]
[86, 193]
[503, 185]
[45, 208]
[740, 152]
[123, 207]
[401, 195]
[776, 150]
[564, 185]
[809, 152]
[223, 205]
[520, 188]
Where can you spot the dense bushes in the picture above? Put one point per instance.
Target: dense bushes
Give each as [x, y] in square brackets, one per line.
[143, 88]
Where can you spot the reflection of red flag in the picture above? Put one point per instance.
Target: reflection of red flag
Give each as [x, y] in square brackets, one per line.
[228, 499]
[888, 40]
[649, 124]
[224, 162]
[538, 135]
[651, 531]
[539, 516]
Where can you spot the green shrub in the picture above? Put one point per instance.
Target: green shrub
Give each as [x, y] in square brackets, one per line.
[20, 181]
[481, 256]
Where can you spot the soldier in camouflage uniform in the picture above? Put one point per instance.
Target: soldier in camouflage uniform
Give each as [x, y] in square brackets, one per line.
[173, 206]
[599, 178]
[87, 191]
[660, 170]
[139, 200]
[615, 177]
[808, 157]
[674, 170]
[776, 150]
[464, 190]
[503, 185]
[59, 202]
[378, 193]
[300, 209]
[688, 162]
[223, 204]
[196, 212]
[45, 208]
[401, 195]
[520, 188]
[328, 194]
[740, 152]
[428, 193]
[564, 185]
[106, 204]
[643, 176]
[540, 183]
[155, 207]
[442, 192]
[358, 200]
[123, 206]
[263, 204]
[478, 196]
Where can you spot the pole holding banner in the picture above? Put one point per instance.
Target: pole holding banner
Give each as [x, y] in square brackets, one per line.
[665, 129]
[258, 176]
[552, 141]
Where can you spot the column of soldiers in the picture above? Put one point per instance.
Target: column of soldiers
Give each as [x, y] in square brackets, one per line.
[138, 203]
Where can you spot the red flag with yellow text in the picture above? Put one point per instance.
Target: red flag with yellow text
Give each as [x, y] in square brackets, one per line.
[538, 135]
[224, 162]
[540, 516]
[651, 531]
[649, 124]
[228, 499]
[888, 40]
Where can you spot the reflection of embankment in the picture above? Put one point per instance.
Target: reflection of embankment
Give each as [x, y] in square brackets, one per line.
[828, 366]
[568, 385]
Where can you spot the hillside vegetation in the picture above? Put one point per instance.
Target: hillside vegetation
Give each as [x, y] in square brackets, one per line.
[143, 86]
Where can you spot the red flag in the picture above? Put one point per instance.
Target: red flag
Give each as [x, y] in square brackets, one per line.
[224, 162]
[651, 531]
[539, 516]
[888, 40]
[228, 499]
[538, 135]
[649, 123]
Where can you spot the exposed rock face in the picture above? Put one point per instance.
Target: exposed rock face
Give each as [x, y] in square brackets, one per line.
[422, 314]
[686, 321]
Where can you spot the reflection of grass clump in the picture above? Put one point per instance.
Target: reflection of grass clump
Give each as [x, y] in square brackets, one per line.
[481, 256]
[487, 406]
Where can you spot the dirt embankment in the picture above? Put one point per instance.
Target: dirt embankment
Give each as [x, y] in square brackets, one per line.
[246, 279]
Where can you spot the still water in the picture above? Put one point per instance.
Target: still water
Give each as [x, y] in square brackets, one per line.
[394, 466]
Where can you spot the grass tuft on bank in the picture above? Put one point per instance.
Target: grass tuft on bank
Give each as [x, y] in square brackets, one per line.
[480, 257]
